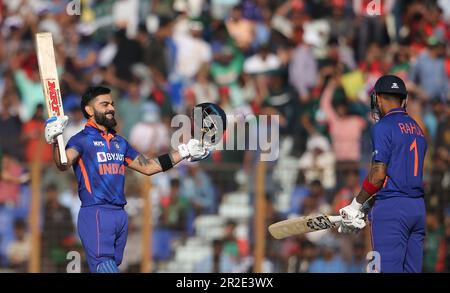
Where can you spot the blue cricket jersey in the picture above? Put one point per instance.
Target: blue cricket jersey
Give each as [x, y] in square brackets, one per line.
[399, 142]
[100, 170]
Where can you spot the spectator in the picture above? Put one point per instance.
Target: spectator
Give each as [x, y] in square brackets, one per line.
[301, 262]
[57, 232]
[195, 53]
[241, 30]
[197, 188]
[371, 28]
[329, 260]
[316, 201]
[69, 199]
[150, 136]
[218, 262]
[318, 161]
[429, 71]
[33, 135]
[19, 250]
[434, 116]
[128, 106]
[358, 263]
[76, 122]
[28, 83]
[281, 100]
[128, 53]
[433, 242]
[10, 127]
[351, 187]
[345, 131]
[12, 176]
[204, 88]
[174, 208]
[262, 62]
[303, 70]
[230, 244]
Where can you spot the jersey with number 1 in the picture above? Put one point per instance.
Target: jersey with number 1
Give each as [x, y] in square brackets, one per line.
[399, 142]
[100, 169]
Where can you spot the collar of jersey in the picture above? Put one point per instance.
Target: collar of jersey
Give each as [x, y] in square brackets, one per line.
[92, 127]
[395, 110]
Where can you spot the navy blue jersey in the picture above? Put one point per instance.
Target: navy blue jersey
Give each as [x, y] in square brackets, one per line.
[100, 170]
[399, 142]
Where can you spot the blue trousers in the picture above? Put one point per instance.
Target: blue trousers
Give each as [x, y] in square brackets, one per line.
[103, 230]
[398, 232]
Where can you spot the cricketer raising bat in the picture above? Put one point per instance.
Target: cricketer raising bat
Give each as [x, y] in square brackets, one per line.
[302, 225]
[50, 83]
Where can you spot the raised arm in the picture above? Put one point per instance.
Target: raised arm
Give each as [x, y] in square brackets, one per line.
[150, 166]
[192, 151]
[54, 126]
[326, 101]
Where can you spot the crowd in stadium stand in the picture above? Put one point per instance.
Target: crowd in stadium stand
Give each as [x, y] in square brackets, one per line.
[311, 62]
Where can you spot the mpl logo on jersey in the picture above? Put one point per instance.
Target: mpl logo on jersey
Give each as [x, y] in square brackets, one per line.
[54, 97]
[99, 143]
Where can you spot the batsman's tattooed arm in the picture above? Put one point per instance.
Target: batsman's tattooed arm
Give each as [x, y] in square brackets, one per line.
[376, 177]
[149, 167]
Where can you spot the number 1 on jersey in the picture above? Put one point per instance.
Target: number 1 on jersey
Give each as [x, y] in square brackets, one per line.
[413, 146]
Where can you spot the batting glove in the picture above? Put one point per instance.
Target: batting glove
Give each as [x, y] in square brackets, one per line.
[54, 126]
[193, 151]
[352, 218]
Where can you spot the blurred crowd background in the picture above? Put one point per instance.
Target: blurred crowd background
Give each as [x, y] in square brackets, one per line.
[312, 62]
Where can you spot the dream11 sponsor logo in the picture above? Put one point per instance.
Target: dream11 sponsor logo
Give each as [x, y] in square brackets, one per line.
[243, 132]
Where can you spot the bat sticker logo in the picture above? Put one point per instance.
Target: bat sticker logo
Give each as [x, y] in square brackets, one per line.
[319, 223]
[54, 97]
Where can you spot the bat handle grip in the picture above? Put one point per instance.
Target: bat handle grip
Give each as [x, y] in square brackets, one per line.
[62, 149]
[335, 219]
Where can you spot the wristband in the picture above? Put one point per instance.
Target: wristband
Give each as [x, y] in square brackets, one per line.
[165, 162]
[369, 187]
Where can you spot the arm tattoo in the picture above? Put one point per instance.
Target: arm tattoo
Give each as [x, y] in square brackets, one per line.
[376, 169]
[143, 161]
[376, 176]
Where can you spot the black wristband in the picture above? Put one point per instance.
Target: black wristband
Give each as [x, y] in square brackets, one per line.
[165, 161]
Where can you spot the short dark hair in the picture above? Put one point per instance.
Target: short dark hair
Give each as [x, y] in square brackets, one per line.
[393, 97]
[90, 94]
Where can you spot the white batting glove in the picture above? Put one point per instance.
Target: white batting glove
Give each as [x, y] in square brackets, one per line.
[352, 218]
[193, 151]
[54, 126]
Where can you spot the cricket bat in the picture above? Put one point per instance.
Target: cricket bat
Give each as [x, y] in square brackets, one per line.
[300, 225]
[50, 83]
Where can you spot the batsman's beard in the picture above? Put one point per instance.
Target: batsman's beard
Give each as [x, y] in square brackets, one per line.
[101, 119]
